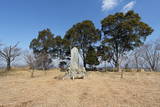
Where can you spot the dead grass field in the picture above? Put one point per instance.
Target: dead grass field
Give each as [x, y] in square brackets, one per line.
[17, 89]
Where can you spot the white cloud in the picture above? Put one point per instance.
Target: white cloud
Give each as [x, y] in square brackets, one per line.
[109, 4]
[129, 6]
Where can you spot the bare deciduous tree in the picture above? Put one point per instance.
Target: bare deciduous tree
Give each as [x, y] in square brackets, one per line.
[9, 54]
[31, 62]
[151, 55]
[136, 58]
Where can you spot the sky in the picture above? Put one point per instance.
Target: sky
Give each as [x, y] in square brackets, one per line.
[21, 20]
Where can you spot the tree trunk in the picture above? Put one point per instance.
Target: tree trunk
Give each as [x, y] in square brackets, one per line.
[44, 68]
[105, 66]
[32, 73]
[137, 63]
[8, 65]
[118, 68]
[121, 73]
[84, 59]
[60, 52]
[84, 63]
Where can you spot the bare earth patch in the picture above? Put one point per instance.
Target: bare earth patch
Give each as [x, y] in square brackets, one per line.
[17, 89]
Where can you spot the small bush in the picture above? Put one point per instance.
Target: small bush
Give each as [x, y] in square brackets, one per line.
[63, 66]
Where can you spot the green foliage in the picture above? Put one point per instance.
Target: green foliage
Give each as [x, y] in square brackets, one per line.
[42, 48]
[63, 66]
[46, 46]
[82, 35]
[44, 42]
[103, 53]
[60, 47]
[123, 32]
[91, 57]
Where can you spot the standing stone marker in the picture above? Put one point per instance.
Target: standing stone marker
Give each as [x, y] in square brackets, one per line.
[75, 71]
[74, 64]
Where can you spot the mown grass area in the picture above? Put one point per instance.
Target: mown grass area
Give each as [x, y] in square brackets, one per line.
[99, 89]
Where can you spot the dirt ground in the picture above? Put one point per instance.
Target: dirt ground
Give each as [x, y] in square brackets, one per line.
[105, 89]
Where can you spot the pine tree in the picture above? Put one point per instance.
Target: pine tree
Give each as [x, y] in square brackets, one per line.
[91, 57]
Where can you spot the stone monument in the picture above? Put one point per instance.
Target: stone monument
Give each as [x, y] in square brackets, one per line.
[76, 69]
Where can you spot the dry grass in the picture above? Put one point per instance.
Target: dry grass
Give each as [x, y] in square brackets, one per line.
[141, 89]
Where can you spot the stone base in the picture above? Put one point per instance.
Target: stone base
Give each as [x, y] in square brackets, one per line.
[76, 75]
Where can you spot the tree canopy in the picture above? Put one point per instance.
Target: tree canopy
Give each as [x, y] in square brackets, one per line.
[82, 35]
[43, 42]
[91, 57]
[42, 48]
[60, 47]
[123, 32]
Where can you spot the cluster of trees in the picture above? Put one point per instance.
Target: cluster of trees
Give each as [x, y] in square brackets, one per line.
[120, 34]
[146, 56]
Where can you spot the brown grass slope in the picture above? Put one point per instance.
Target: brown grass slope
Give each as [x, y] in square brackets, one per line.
[17, 89]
